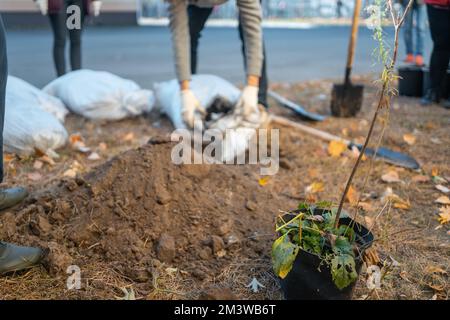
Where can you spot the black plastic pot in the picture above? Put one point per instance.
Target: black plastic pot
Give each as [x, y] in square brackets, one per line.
[445, 88]
[310, 279]
[410, 82]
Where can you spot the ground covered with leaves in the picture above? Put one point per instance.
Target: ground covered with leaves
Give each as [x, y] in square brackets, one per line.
[141, 227]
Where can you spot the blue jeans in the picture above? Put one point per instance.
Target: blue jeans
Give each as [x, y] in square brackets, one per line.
[420, 13]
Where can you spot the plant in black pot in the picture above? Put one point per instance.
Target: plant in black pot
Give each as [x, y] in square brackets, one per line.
[318, 252]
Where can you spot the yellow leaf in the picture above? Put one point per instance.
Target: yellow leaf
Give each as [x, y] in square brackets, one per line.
[443, 200]
[352, 196]
[444, 215]
[434, 269]
[263, 181]
[409, 139]
[434, 172]
[315, 187]
[335, 148]
[401, 204]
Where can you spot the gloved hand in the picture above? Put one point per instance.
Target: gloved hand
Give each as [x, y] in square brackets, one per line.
[42, 5]
[191, 108]
[96, 7]
[247, 105]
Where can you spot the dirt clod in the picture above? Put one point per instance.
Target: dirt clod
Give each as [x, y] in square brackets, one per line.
[166, 248]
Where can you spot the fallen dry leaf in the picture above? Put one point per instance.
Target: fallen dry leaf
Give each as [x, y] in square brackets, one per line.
[38, 165]
[128, 137]
[352, 196]
[8, 157]
[263, 181]
[74, 138]
[336, 148]
[70, 173]
[390, 177]
[102, 146]
[420, 178]
[48, 160]
[434, 269]
[356, 152]
[94, 156]
[365, 206]
[434, 172]
[315, 187]
[401, 204]
[444, 215]
[443, 200]
[34, 176]
[409, 138]
[371, 257]
[442, 188]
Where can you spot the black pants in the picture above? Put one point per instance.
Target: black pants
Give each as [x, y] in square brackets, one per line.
[197, 19]
[3, 78]
[439, 20]
[60, 30]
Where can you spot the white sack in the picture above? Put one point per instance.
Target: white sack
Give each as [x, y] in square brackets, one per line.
[28, 128]
[206, 88]
[18, 89]
[99, 95]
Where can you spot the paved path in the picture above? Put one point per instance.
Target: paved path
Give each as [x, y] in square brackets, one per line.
[144, 53]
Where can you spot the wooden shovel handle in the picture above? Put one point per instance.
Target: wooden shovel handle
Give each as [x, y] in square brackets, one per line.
[353, 37]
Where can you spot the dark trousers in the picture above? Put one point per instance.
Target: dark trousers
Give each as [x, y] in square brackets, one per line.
[3, 78]
[439, 20]
[60, 31]
[197, 20]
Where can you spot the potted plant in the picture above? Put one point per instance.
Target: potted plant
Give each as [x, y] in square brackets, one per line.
[318, 252]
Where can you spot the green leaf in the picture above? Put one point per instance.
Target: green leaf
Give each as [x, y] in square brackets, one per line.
[342, 246]
[343, 270]
[284, 253]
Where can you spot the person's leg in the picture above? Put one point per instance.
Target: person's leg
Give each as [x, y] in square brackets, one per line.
[75, 39]
[197, 20]
[12, 258]
[263, 82]
[58, 24]
[408, 35]
[3, 79]
[439, 20]
[421, 15]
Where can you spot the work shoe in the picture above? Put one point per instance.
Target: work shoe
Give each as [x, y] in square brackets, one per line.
[16, 258]
[430, 97]
[409, 58]
[11, 197]
[419, 60]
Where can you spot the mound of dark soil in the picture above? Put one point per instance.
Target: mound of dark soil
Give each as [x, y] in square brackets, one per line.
[140, 209]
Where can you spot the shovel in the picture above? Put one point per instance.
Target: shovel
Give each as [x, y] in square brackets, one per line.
[299, 110]
[346, 99]
[389, 156]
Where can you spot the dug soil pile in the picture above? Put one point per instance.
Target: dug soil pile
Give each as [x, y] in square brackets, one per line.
[139, 212]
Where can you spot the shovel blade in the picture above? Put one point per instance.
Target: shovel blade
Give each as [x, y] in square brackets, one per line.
[390, 156]
[346, 100]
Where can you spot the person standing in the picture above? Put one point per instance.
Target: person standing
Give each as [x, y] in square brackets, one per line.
[250, 18]
[12, 257]
[439, 20]
[415, 21]
[197, 20]
[58, 15]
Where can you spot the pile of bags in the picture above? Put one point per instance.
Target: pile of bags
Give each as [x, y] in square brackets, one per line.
[34, 119]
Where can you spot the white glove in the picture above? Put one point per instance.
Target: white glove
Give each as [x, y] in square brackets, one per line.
[96, 7]
[247, 106]
[191, 108]
[43, 6]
